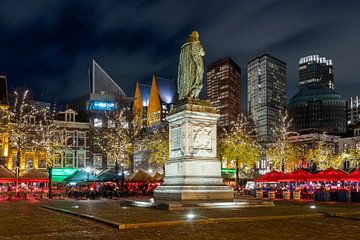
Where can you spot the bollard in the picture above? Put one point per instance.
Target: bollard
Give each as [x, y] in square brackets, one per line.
[286, 195]
[272, 194]
[296, 195]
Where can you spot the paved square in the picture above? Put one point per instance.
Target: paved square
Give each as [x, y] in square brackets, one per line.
[27, 220]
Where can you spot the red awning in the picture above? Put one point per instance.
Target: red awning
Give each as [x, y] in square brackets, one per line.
[298, 175]
[7, 180]
[273, 176]
[6, 175]
[354, 176]
[329, 174]
[34, 175]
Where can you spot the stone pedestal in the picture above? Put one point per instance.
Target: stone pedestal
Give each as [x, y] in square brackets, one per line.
[193, 172]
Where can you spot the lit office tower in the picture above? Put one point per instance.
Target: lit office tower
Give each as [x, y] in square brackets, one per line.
[353, 108]
[266, 94]
[223, 89]
[317, 107]
[315, 71]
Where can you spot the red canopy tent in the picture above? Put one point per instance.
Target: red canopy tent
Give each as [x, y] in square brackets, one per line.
[139, 176]
[354, 176]
[273, 176]
[34, 175]
[298, 175]
[6, 175]
[329, 174]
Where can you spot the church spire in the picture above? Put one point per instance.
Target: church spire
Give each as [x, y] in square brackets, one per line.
[154, 108]
[138, 107]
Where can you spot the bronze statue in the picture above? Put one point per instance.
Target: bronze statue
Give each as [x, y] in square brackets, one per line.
[191, 68]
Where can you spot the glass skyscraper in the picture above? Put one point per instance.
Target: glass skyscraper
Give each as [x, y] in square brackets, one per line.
[266, 94]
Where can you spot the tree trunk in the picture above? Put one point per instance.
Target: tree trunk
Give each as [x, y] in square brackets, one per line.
[237, 176]
[17, 168]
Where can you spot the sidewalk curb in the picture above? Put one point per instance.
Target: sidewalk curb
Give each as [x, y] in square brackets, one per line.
[122, 226]
[215, 221]
[86, 216]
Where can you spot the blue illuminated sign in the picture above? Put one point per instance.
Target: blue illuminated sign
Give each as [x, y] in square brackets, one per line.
[101, 106]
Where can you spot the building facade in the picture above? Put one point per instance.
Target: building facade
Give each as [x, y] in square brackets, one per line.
[3, 91]
[4, 145]
[223, 89]
[317, 107]
[353, 111]
[266, 94]
[74, 135]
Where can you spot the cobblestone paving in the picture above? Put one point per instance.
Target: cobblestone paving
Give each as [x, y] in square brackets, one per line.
[26, 220]
[113, 211]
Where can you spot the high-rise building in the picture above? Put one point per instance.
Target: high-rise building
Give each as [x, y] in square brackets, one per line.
[223, 89]
[317, 107]
[3, 91]
[353, 108]
[266, 94]
[104, 95]
[315, 71]
[102, 83]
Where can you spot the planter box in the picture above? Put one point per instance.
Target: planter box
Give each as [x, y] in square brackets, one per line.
[286, 195]
[259, 194]
[271, 194]
[296, 195]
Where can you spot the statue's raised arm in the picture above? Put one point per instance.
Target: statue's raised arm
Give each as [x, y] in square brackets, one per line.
[191, 68]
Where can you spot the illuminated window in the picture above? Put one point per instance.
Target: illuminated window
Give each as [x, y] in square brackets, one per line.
[70, 138]
[98, 122]
[42, 162]
[69, 159]
[110, 160]
[29, 163]
[81, 159]
[57, 160]
[97, 160]
[81, 142]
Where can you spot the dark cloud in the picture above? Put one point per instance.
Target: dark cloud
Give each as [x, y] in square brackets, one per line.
[48, 45]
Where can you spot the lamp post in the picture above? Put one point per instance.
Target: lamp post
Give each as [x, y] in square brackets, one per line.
[50, 183]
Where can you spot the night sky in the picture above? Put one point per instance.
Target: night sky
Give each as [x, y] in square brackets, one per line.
[48, 45]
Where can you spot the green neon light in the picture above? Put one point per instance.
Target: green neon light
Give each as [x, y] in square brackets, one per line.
[228, 170]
